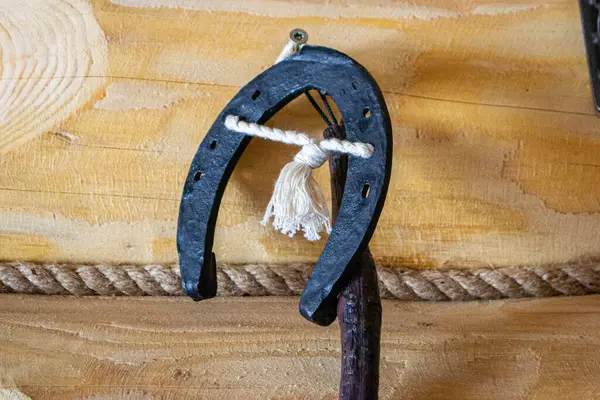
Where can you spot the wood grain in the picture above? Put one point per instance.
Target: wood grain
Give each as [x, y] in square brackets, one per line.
[54, 57]
[255, 348]
[496, 140]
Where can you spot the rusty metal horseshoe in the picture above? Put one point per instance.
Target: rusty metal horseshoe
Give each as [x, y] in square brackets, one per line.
[366, 119]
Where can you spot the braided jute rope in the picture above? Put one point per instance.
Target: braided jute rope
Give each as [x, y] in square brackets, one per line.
[571, 278]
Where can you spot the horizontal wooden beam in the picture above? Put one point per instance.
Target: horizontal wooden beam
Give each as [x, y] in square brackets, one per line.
[254, 348]
[496, 140]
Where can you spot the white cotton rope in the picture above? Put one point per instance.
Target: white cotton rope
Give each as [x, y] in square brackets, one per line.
[298, 203]
[290, 48]
[359, 149]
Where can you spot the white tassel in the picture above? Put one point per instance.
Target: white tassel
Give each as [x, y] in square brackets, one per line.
[298, 202]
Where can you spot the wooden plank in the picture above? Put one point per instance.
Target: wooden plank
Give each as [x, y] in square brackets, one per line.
[159, 348]
[496, 141]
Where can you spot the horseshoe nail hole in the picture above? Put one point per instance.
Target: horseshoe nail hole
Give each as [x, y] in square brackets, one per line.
[255, 95]
[365, 190]
[198, 175]
[366, 113]
[212, 145]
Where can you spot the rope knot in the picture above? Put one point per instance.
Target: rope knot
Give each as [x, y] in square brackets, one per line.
[298, 203]
[312, 155]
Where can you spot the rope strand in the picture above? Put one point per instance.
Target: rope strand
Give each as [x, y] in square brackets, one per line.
[567, 279]
[359, 149]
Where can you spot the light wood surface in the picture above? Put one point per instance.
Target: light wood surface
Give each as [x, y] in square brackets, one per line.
[260, 348]
[496, 140]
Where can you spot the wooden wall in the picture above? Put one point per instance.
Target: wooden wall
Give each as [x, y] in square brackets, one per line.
[260, 348]
[103, 103]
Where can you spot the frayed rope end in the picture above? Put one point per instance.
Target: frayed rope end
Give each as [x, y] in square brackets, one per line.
[298, 202]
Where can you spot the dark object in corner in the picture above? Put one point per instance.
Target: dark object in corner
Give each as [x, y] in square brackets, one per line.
[590, 20]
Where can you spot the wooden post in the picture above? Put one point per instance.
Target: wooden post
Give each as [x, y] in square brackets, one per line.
[359, 306]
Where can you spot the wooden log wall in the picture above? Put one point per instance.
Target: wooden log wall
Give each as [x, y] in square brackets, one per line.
[260, 348]
[103, 103]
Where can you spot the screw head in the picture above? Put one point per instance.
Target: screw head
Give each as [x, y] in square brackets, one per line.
[298, 36]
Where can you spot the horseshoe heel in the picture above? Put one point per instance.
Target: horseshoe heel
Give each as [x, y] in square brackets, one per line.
[366, 119]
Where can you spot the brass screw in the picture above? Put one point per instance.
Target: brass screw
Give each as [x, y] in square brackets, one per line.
[298, 36]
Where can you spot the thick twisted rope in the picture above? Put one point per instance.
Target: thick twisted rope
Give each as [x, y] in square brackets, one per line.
[572, 278]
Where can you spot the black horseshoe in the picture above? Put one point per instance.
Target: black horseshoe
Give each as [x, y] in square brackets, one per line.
[366, 119]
